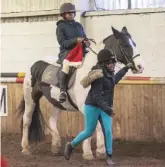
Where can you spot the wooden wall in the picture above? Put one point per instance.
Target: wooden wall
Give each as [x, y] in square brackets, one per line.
[18, 6]
[140, 113]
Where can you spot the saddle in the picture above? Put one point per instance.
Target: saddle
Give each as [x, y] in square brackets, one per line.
[51, 76]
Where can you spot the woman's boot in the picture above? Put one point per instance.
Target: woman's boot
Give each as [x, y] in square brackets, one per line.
[68, 150]
[109, 160]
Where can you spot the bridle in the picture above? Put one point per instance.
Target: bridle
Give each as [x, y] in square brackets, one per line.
[125, 55]
[93, 41]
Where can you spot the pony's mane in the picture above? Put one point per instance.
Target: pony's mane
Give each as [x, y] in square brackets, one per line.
[105, 39]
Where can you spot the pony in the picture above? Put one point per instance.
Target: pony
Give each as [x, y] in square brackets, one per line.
[32, 121]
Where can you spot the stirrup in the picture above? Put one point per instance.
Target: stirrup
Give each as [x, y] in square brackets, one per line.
[63, 96]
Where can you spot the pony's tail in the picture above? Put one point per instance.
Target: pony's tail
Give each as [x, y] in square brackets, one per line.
[36, 129]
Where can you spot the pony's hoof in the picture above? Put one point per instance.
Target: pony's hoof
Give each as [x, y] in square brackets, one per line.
[89, 157]
[26, 152]
[55, 150]
[101, 156]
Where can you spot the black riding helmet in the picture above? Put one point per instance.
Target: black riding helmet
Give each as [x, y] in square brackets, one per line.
[106, 55]
[66, 8]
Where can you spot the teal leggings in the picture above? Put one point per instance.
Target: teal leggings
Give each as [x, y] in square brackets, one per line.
[92, 115]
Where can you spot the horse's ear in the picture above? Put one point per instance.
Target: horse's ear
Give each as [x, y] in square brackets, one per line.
[116, 32]
[124, 30]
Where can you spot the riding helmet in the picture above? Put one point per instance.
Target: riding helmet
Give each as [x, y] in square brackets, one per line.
[105, 55]
[67, 7]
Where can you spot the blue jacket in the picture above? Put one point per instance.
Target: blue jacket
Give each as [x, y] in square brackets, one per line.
[102, 90]
[67, 33]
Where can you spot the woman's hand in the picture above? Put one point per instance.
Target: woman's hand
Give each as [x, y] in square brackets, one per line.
[113, 114]
[129, 65]
[110, 112]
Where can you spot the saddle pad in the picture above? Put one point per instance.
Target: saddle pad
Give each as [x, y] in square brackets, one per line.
[51, 75]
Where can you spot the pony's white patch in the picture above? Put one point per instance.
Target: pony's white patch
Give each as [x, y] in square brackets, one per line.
[135, 51]
[52, 122]
[29, 108]
[56, 140]
[139, 63]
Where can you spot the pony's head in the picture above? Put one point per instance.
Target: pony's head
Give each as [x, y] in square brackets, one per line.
[123, 46]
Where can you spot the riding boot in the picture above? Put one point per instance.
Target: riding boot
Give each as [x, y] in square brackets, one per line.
[63, 85]
[109, 160]
[68, 150]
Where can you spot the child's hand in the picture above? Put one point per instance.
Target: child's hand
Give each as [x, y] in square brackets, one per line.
[79, 39]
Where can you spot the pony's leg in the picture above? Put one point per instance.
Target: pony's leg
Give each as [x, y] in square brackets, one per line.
[100, 151]
[27, 118]
[87, 151]
[56, 140]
